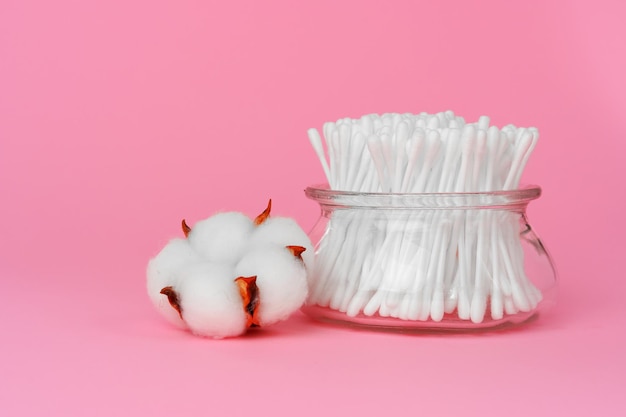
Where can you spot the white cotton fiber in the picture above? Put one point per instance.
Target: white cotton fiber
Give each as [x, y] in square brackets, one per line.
[162, 272]
[283, 231]
[202, 270]
[222, 237]
[210, 300]
[281, 279]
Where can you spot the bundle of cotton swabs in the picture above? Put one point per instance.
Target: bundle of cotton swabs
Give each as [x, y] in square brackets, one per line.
[423, 264]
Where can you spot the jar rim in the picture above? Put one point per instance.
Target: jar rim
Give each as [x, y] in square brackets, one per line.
[520, 197]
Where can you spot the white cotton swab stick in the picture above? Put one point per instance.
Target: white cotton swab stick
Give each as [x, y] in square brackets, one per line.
[413, 148]
[434, 177]
[367, 126]
[375, 147]
[519, 297]
[432, 154]
[483, 122]
[386, 140]
[516, 253]
[431, 276]
[328, 129]
[335, 146]
[525, 143]
[465, 269]
[344, 268]
[393, 282]
[437, 303]
[477, 183]
[432, 122]
[374, 275]
[399, 145]
[481, 286]
[501, 159]
[356, 271]
[410, 274]
[535, 137]
[493, 144]
[423, 257]
[345, 145]
[387, 260]
[533, 294]
[468, 143]
[361, 159]
[328, 253]
[497, 294]
[452, 272]
[316, 142]
[451, 161]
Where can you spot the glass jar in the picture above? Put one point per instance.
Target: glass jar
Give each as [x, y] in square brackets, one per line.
[428, 261]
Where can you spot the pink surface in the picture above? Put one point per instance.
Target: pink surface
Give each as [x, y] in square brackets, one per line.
[119, 118]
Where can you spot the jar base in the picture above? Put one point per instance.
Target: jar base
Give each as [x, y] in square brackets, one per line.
[449, 323]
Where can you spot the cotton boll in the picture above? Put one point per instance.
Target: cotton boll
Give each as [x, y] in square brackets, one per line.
[222, 237]
[281, 280]
[210, 301]
[162, 272]
[283, 231]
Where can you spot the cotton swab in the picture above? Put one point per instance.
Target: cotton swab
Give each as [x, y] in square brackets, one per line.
[464, 261]
[524, 145]
[413, 148]
[316, 143]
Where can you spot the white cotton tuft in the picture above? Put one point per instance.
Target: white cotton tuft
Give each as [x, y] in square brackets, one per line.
[162, 272]
[194, 284]
[283, 231]
[210, 301]
[281, 280]
[222, 237]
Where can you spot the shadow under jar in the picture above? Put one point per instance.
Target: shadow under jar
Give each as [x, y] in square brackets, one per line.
[456, 261]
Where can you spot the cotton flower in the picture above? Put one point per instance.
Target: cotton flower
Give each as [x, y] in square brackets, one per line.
[231, 273]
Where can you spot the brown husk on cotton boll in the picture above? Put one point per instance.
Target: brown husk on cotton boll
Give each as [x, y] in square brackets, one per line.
[231, 273]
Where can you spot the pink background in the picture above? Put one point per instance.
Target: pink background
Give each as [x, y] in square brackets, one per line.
[119, 118]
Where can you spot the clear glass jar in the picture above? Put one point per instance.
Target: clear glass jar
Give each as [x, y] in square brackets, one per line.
[428, 261]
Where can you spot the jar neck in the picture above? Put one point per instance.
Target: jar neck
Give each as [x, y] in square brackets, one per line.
[510, 200]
